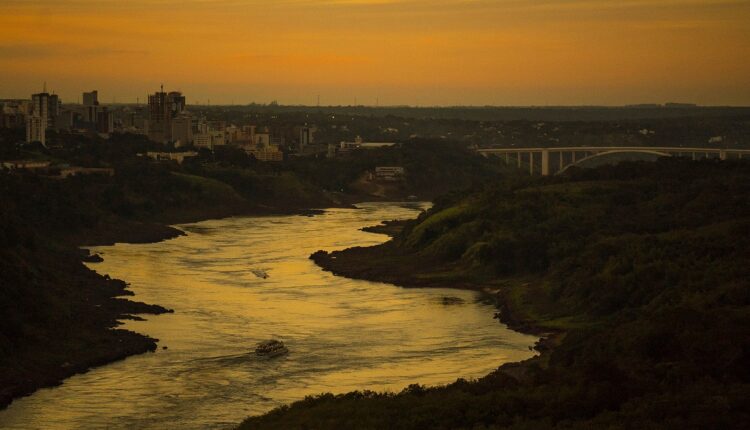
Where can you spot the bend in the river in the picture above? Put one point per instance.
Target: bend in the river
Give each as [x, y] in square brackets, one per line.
[342, 334]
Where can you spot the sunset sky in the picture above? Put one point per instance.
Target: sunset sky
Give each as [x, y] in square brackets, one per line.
[416, 52]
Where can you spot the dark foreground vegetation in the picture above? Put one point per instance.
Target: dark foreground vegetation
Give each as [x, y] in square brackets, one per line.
[638, 275]
[57, 317]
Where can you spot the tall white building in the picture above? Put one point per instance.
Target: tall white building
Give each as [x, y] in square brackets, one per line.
[35, 129]
[36, 122]
[182, 129]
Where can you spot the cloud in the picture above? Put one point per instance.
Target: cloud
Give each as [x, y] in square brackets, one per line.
[41, 51]
[21, 51]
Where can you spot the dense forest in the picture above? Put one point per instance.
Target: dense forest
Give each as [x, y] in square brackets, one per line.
[504, 127]
[480, 113]
[433, 168]
[636, 275]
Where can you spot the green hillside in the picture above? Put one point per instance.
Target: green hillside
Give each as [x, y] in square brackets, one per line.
[637, 275]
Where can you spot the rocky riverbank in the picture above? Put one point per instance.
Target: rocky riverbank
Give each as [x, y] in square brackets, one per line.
[639, 271]
[390, 228]
[74, 313]
[78, 310]
[387, 263]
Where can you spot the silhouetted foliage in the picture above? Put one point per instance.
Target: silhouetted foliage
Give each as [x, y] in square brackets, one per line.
[641, 269]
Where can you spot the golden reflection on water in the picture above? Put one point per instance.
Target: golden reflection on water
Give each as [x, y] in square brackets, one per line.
[342, 334]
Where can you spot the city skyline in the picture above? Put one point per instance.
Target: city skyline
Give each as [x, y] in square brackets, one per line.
[386, 52]
[143, 101]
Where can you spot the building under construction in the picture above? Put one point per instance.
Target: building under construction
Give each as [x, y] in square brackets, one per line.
[163, 108]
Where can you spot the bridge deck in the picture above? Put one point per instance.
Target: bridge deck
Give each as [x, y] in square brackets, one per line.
[613, 148]
[572, 152]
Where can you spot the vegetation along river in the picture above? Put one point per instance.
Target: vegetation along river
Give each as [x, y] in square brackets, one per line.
[342, 334]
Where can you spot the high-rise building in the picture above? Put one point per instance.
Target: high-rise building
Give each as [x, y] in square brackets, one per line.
[53, 110]
[163, 108]
[91, 98]
[105, 121]
[64, 121]
[40, 104]
[158, 116]
[13, 113]
[305, 137]
[182, 129]
[35, 129]
[176, 102]
[36, 122]
[91, 109]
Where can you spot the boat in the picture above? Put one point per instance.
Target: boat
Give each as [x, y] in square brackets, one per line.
[271, 348]
[260, 273]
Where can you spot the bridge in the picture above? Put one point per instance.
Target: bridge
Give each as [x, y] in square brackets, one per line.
[556, 160]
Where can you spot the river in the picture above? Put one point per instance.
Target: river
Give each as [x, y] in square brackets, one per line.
[342, 334]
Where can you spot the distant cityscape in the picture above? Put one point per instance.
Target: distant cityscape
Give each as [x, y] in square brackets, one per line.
[164, 119]
[273, 133]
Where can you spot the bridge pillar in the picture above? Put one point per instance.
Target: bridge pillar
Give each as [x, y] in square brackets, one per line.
[507, 158]
[545, 162]
[574, 157]
[518, 157]
[561, 161]
[723, 154]
[531, 163]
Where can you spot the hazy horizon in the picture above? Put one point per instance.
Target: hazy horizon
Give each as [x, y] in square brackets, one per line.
[143, 101]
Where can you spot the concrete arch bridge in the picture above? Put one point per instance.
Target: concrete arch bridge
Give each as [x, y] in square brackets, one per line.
[549, 161]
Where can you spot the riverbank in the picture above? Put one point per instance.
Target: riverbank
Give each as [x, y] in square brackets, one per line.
[70, 324]
[639, 270]
[67, 322]
[389, 264]
[229, 309]
[389, 228]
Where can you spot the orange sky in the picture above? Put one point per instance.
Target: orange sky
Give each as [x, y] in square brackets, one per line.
[423, 52]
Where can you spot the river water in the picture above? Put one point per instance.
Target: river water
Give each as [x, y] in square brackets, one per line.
[342, 334]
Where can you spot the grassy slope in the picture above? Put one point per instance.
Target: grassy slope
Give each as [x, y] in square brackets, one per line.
[642, 272]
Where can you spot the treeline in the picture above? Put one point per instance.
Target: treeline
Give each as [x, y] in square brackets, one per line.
[639, 271]
[507, 127]
[472, 113]
[433, 167]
